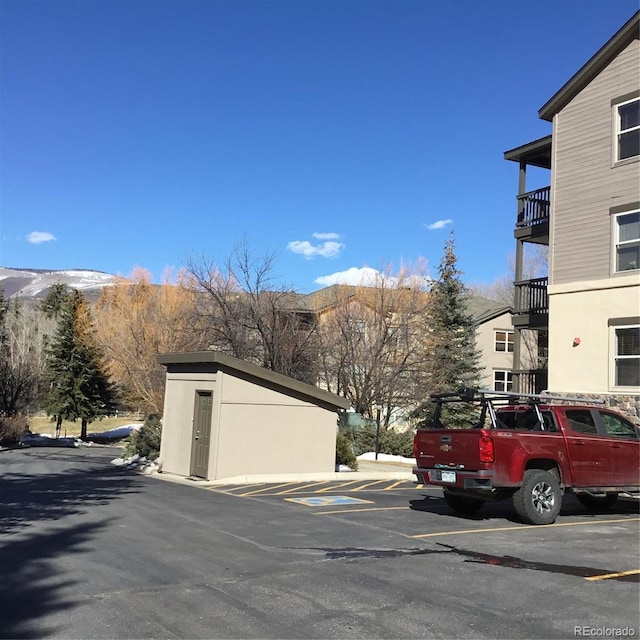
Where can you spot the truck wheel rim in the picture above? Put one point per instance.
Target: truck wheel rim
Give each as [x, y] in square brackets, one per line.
[543, 497]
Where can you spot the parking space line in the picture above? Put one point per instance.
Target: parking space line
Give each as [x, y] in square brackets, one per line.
[394, 485]
[269, 487]
[230, 488]
[518, 528]
[317, 483]
[367, 484]
[620, 574]
[327, 513]
[338, 486]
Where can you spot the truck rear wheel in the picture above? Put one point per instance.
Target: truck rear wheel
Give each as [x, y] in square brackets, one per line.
[462, 504]
[597, 503]
[539, 499]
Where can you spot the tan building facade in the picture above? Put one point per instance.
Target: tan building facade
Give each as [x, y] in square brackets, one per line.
[590, 219]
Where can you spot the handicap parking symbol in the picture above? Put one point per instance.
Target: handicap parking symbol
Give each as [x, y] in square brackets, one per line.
[326, 501]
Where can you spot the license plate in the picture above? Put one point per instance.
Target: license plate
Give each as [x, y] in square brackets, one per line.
[448, 476]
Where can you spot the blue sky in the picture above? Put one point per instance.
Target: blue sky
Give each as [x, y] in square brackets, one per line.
[336, 134]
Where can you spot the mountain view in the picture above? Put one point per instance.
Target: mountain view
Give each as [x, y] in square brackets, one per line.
[35, 283]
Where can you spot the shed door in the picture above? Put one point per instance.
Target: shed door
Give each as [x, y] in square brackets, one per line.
[201, 434]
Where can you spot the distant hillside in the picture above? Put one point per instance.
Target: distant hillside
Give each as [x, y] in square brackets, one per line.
[35, 283]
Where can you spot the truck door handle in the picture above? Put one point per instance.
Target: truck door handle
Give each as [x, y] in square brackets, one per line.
[579, 442]
[615, 446]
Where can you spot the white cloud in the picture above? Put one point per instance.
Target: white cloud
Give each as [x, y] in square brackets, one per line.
[328, 249]
[365, 276]
[368, 277]
[38, 237]
[439, 224]
[326, 236]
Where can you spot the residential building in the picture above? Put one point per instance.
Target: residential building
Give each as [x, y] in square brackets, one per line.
[493, 320]
[589, 216]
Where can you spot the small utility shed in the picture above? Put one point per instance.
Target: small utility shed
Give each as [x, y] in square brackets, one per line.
[224, 417]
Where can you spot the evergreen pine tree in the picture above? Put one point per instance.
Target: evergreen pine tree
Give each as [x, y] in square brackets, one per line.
[78, 386]
[455, 356]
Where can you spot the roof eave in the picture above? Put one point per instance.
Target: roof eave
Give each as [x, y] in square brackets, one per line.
[228, 362]
[536, 153]
[595, 65]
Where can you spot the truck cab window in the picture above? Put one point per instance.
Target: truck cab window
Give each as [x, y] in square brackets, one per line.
[617, 426]
[581, 420]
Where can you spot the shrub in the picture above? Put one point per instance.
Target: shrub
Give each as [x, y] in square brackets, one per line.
[397, 443]
[146, 441]
[344, 452]
[11, 429]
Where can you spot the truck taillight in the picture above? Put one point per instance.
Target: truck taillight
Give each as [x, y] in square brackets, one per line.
[415, 446]
[486, 448]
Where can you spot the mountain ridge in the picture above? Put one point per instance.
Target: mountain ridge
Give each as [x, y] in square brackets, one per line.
[36, 283]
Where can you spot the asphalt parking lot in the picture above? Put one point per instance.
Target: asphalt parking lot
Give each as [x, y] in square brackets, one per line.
[91, 551]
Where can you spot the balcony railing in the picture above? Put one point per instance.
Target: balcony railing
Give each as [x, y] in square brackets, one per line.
[531, 380]
[531, 296]
[533, 207]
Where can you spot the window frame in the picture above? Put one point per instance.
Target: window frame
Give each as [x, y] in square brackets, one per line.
[618, 132]
[617, 243]
[506, 341]
[507, 382]
[614, 357]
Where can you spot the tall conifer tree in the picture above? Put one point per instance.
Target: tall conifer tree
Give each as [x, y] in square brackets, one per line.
[78, 386]
[455, 356]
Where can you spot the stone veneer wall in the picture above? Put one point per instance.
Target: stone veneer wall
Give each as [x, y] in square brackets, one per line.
[627, 405]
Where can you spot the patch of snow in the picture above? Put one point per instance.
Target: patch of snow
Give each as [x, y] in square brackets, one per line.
[137, 463]
[40, 280]
[386, 457]
[117, 432]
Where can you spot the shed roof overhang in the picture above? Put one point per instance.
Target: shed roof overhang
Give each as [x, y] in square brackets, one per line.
[536, 153]
[595, 65]
[240, 368]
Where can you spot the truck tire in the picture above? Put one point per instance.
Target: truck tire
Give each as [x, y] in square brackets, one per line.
[539, 498]
[597, 503]
[462, 504]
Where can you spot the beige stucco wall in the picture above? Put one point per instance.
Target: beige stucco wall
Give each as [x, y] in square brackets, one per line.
[586, 311]
[255, 430]
[177, 418]
[265, 431]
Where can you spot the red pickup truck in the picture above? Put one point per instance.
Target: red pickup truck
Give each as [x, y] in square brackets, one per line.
[520, 447]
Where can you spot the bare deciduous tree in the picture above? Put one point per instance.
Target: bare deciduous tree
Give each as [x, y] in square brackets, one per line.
[242, 311]
[135, 321]
[371, 348]
[24, 331]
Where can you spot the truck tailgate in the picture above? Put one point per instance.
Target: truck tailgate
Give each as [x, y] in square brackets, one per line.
[449, 448]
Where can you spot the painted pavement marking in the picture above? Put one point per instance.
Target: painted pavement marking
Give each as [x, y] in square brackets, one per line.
[326, 501]
[620, 574]
[521, 527]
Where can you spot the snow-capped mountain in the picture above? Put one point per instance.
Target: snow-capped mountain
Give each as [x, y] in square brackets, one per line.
[35, 283]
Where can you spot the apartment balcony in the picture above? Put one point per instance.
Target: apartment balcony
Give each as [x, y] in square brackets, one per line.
[531, 307]
[533, 216]
[530, 380]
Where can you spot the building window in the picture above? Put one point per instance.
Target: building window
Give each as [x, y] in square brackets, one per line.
[628, 129]
[627, 356]
[504, 341]
[502, 381]
[627, 241]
